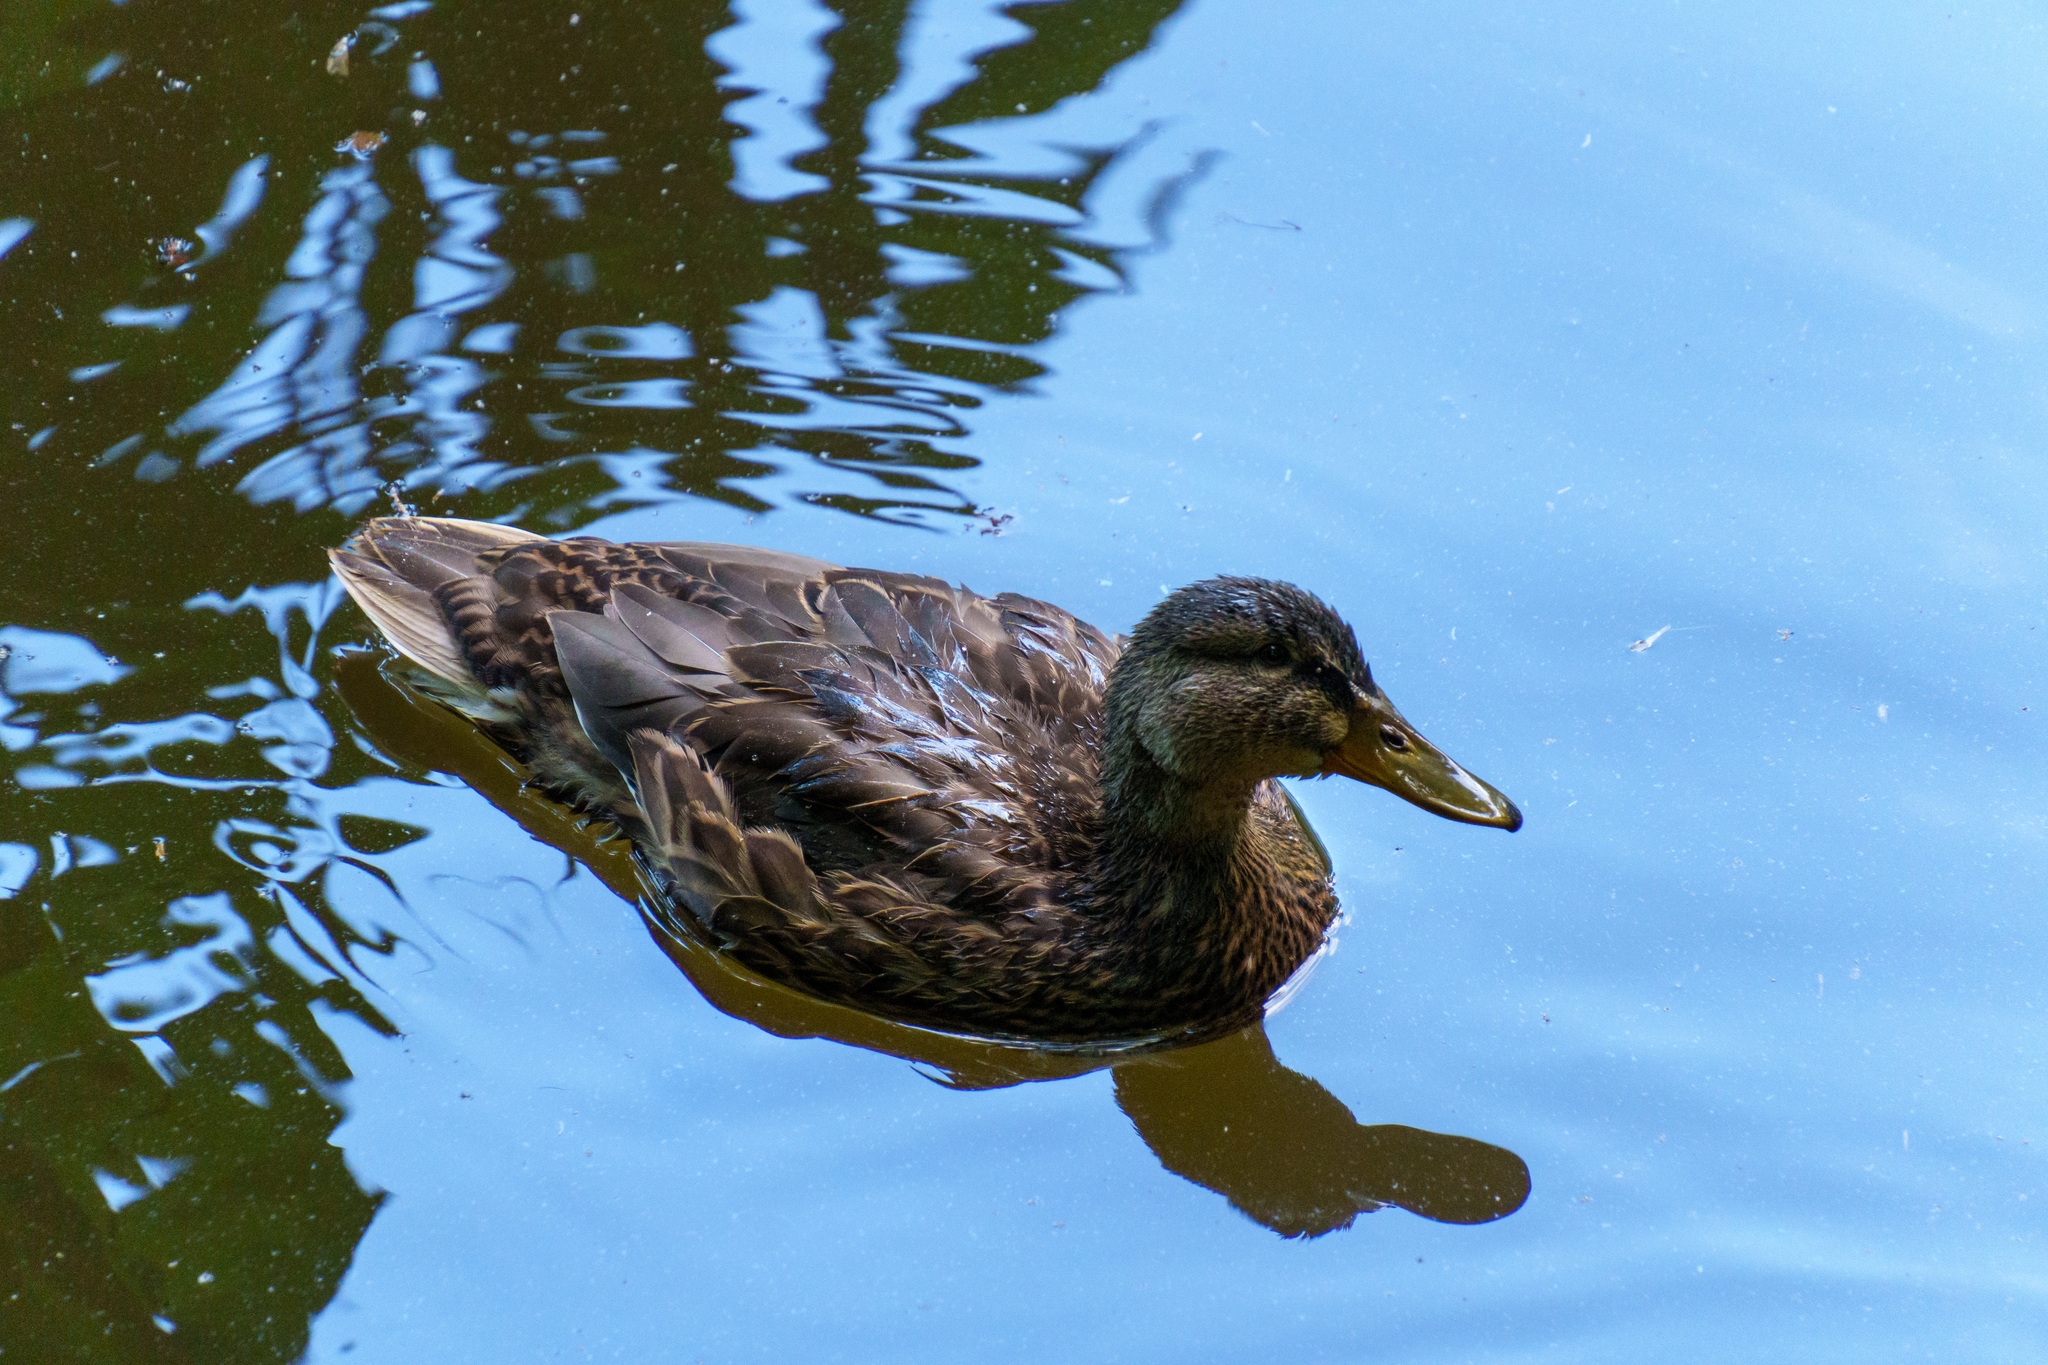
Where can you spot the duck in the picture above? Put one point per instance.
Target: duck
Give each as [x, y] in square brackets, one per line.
[972, 814]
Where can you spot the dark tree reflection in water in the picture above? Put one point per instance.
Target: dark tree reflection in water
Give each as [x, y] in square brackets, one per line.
[645, 252]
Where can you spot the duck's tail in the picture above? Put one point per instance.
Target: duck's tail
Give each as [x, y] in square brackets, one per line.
[395, 567]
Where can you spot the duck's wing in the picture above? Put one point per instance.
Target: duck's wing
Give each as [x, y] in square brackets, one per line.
[1013, 649]
[864, 728]
[892, 724]
[475, 605]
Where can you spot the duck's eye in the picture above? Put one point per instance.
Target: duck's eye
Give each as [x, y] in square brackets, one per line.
[1274, 654]
[1393, 738]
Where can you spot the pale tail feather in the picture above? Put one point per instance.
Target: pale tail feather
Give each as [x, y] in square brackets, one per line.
[391, 568]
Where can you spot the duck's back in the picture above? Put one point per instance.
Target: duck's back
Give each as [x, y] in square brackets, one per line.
[894, 726]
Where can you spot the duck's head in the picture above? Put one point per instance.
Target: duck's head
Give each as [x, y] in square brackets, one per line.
[1233, 680]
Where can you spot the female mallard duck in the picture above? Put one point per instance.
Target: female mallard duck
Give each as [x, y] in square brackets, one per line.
[973, 813]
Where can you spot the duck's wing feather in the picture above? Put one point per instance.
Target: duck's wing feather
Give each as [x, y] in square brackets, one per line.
[864, 734]
[874, 939]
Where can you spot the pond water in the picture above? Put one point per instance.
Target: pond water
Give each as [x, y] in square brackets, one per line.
[1657, 390]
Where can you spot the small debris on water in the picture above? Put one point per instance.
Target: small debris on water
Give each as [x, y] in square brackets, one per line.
[1648, 640]
[1283, 225]
[173, 253]
[1884, 712]
[337, 56]
[360, 145]
[161, 856]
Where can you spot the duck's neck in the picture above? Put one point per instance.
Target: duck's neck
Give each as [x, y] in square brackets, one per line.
[1204, 907]
[1170, 849]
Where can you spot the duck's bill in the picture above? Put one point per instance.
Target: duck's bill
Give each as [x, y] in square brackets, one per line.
[1385, 750]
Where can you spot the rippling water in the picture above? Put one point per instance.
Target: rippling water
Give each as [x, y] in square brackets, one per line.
[1657, 392]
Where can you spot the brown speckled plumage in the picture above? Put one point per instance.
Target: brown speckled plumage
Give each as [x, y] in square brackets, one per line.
[902, 795]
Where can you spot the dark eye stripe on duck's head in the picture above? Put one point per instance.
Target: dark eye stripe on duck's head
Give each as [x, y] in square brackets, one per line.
[1258, 620]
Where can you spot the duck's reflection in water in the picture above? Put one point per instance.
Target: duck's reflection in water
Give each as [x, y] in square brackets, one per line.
[1287, 1153]
[1222, 1112]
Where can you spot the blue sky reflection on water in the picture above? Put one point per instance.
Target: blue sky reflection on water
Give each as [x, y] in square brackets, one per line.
[1520, 340]
[1519, 343]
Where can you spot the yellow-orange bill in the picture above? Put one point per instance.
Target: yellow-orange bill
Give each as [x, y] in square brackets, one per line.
[1385, 750]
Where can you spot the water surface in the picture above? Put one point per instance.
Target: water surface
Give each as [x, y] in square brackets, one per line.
[1518, 339]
